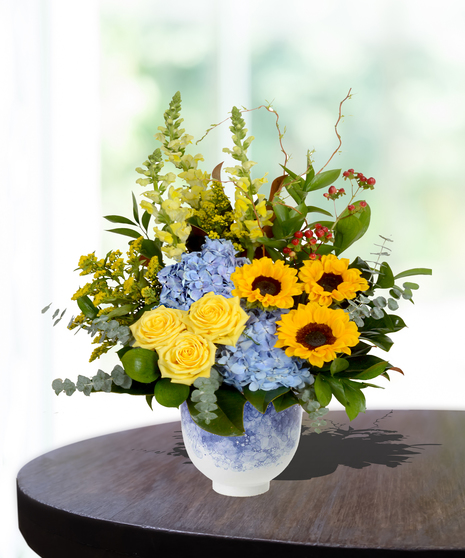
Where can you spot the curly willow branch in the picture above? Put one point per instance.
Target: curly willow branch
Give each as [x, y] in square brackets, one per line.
[335, 129]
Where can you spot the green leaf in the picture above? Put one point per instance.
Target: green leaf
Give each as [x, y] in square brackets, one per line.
[390, 323]
[280, 244]
[87, 307]
[122, 351]
[323, 179]
[151, 248]
[135, 209]
[322, 390]
[281, 212]
[356, 402]
[328, 224]
[309, 176]
[372, 371]
[337, 388]
[413, 286]
[379, 339]
[338, 365]
[125, 232]
[230, 413]
[395, 292]
[260, 398]
[119, 219]
[149, 399]
[146, 219]
[122, 310]
[290, 173]
[314, 209]
[141, 365]
[385, 277]
[170, 394]
[351, 227]
[284, 401]
[290, 226]
[274, 254]
[415, 271]
[277, 229]
[360, 349]
[359, 364]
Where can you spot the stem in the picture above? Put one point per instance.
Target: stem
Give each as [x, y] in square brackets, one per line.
[335, 129]
[351, 200]
[269, 109]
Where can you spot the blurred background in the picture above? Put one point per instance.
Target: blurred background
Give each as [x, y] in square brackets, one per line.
[84, 88]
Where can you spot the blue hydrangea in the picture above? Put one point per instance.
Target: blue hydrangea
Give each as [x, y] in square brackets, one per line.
[199, 273]
[256, 362]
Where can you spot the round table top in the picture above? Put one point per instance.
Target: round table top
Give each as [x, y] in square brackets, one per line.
[387, 484]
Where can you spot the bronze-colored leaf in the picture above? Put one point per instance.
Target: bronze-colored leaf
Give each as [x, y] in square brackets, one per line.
[276, 186]
[216, 172]
[396, 369]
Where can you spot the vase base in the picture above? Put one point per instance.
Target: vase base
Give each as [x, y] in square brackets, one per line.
[240, 491]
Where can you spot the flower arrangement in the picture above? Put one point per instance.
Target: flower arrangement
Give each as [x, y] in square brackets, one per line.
[257, 303]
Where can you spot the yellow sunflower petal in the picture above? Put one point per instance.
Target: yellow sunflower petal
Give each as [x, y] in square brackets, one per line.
[316, 333]
[267, 282]
[330, 279]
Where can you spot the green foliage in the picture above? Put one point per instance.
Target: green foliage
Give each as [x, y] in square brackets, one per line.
[204, 396]
[229, 413]
[170, 394]
[285, 401]
[308, 401]
[141, 365]
[350, 227]
[100, 382]
[260, 399]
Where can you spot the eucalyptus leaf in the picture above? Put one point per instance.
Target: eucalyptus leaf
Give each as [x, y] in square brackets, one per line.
[230, 412]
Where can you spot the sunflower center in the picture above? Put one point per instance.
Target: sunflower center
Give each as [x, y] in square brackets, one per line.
[315, 335]
[266, 285]
[330, 281]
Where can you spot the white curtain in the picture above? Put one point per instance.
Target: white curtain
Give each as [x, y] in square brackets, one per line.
[49, 175]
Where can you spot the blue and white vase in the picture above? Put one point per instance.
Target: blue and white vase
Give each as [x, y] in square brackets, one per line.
[245, 465]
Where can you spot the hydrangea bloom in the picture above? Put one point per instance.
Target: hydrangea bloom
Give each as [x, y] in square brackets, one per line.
[199, 273]
[256, 362]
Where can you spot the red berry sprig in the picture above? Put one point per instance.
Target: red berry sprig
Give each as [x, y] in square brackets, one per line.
[333, 193]
[362, 181]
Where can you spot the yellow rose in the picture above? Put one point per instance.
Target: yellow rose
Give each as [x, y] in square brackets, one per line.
[219, 319]
[187, 358]
[159, 327]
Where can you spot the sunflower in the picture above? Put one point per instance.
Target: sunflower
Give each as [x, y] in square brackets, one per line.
[316, 333]
[330, 279]
[270, 284]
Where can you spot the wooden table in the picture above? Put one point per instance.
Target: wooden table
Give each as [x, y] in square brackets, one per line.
[389, 484]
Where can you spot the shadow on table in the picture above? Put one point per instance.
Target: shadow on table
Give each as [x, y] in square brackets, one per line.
[320, 454]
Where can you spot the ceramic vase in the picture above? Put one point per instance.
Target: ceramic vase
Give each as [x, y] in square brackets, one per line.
[245, 465]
